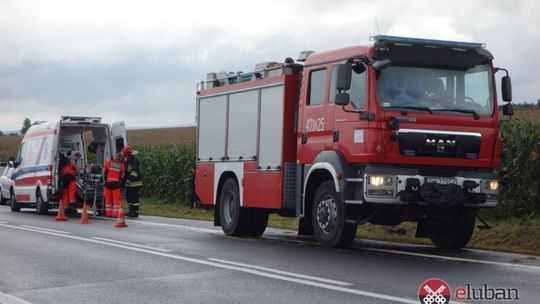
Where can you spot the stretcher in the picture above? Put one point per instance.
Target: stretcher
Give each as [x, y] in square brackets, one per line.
[91, 191]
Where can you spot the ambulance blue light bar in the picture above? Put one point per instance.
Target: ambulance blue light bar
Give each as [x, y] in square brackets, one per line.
[432, 42]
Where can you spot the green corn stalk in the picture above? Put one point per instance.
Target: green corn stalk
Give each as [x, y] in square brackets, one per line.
[166, 170]
[520, 171]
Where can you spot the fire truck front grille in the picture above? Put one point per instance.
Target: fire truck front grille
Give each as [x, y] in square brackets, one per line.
[439, 144]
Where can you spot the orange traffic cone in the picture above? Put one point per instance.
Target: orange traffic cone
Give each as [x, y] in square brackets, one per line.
[61, 217]
[121, 222]
[84, 215]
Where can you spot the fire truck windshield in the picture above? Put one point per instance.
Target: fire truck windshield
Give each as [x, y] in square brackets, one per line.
[439, 90]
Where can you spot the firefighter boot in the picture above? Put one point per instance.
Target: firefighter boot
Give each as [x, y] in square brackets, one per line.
[133, 211]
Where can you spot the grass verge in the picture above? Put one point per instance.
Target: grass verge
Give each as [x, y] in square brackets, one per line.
[510, 235]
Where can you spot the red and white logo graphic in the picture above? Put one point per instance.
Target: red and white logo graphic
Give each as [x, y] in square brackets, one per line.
[434, 291]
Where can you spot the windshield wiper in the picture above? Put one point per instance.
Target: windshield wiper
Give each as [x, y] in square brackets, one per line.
[475, 115]
[426, 109]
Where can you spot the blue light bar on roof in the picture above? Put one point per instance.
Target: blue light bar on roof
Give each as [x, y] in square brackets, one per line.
[446, 43]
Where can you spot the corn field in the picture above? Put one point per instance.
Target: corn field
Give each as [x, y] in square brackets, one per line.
[166, 169]
[520, 168]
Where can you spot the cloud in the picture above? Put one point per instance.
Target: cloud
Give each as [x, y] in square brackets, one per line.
[139, 61]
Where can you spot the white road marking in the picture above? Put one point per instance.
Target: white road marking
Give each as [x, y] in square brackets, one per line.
[132, 244]
[439, 257]
[442, 257]
[229, 267]
[9, 299]
[46, 229]
[2, 222]
[195, 229]
[291, 274]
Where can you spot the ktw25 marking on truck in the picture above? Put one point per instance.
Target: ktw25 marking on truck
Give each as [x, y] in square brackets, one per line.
[315, 124]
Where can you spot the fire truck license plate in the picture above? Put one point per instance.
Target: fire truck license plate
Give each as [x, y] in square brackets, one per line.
[440, 180]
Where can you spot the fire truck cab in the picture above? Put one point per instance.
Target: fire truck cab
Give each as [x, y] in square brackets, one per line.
[404, 129]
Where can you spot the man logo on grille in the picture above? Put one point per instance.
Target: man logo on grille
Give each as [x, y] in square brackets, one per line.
[434, 291]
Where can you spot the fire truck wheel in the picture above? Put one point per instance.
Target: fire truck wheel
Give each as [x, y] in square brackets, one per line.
[41, 206]
[234, 219]
[454, 232]
[15, 207]
[258, 222]
[328, 218]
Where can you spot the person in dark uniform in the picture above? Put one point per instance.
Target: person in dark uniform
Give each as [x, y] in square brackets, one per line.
[132, 180]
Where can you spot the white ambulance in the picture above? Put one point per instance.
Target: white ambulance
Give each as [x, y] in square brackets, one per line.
[86, 141]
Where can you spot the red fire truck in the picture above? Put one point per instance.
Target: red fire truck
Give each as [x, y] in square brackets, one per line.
[403, 129]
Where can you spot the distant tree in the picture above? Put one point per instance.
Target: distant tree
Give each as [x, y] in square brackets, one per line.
[538, 102]
[1, 133]
[26, 125]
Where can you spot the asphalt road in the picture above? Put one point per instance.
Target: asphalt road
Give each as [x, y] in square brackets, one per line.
[160, 260]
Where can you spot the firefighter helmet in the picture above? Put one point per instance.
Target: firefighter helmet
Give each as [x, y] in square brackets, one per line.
[127, 150]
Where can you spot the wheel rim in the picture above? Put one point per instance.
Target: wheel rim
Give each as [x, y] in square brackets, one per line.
[229, 208]
[327, 215]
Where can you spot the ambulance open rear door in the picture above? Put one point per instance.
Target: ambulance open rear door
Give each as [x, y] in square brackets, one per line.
[119, 137]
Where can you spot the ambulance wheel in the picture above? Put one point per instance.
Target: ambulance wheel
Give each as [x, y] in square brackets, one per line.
[259, 220]
[233, 218]
[328, 218]
[3, 200]
[41, 206]
[453, 232]
[15, 207]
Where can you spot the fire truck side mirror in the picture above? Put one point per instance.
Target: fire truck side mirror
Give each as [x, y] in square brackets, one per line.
[342, 99]
[343, 81]
[506, 86]
[508, 109]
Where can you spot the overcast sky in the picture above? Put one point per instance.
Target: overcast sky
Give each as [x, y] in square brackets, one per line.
[140, 61]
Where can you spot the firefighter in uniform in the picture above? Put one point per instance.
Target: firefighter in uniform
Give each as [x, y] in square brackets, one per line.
[68, 175]
[132, 180]
[113, 171]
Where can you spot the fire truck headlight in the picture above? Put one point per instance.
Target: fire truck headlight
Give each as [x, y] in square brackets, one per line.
[491, 185]
[379, 180]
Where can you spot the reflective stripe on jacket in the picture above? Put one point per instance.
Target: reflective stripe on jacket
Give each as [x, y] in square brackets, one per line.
[115, 168]
[133, 176]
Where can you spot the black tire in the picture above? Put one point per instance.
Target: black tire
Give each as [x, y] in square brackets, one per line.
[233, 218]
[42, 207]
[15, 207]
[328, 218]
[258, 222]
[3, 200]
[454, 232]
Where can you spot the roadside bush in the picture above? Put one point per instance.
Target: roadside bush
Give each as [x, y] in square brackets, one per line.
[166, 170]
[520, 170]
